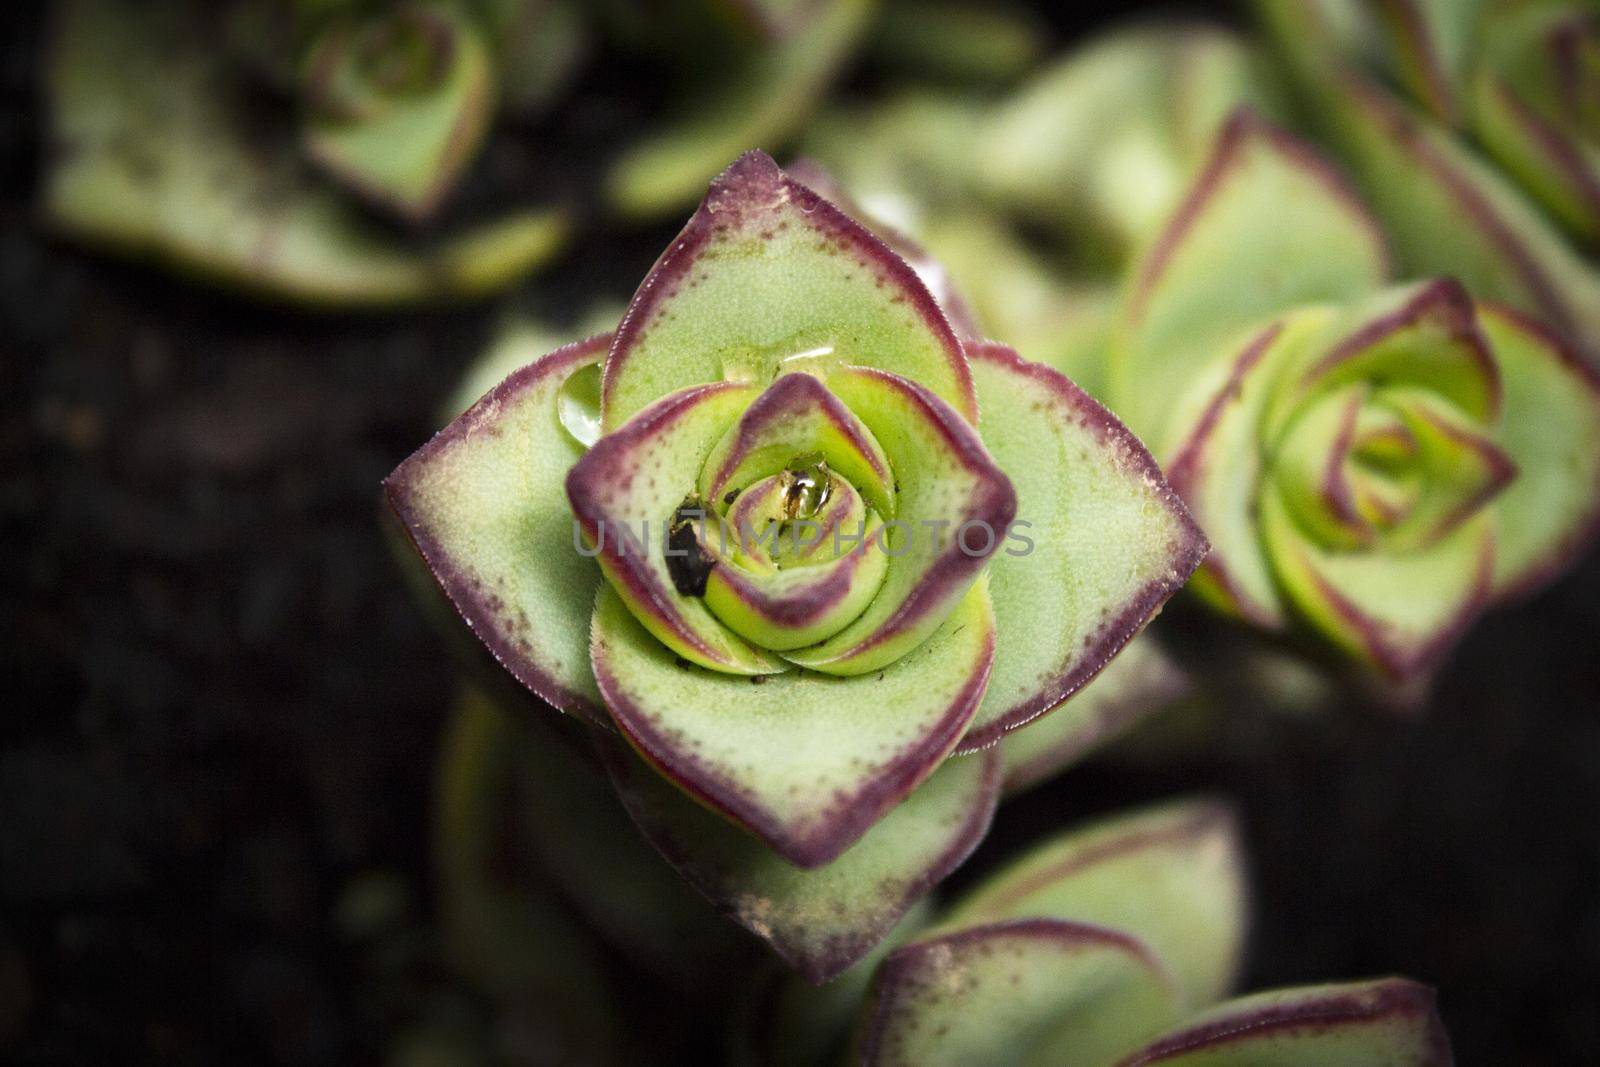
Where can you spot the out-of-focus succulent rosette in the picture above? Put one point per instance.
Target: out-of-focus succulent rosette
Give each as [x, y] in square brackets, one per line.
[1472, 130]
[1113, 944]
[1374, 463]
[159, 153]
[804, 725]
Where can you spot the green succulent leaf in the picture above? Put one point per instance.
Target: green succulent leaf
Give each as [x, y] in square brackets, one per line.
[819, 919]
[764, 95]
[958, 40]
[1430, 44]
[1222, 264]
[1141, 681]
[1534, 107]
[1095, 144]
[1107, 541]
[1021, 991]
[1551, 431]
[1171, 876]
[1390, 1021]
[483, 503]
[556, 808]
[625, 493]
[1447, 210]
[398, 104]
[504, 925]
[793, 758]
[159, 161]
[953, 506]
[538, 47]
[767, 276]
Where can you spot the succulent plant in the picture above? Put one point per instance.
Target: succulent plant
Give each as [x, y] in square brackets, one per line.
[155, 156]
[1112, 944]
[804, 725]
[1471, 129]
[1376, 462]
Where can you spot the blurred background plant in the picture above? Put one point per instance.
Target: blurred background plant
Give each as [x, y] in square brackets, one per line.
[232, 730]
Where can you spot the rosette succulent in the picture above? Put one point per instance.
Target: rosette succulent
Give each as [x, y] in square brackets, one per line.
[1112, 944]
[1471, 127]
[801, 555]
[1376, 462]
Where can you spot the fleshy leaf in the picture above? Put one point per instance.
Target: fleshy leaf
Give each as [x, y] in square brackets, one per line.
[953, 508]
[1023, 991]
[807, 762]
[558, 802]
[764, 97]
[1389, 1021]
[1430, 42]
[767, 275]
[1223, 263]
[626, 492]
[1449, 213]
[795, 416]
[1140, 681]
[822, 919]
[1401, 612]
[399, 103]
[1216, 463]
[1171, 876]
[1551, 430]
[503, 923]
[484, 505]
[158, 161]
[1108, 540]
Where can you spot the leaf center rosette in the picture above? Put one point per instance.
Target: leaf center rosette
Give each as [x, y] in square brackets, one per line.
[798, 545]
[1380, 462]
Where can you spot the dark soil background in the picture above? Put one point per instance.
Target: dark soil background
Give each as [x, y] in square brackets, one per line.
[222, 710]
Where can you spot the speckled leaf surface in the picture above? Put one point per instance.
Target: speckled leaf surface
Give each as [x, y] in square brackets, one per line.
[768, 273]
[485, 506]
[1387, 1022]
[1222, 263]
[822, 919]
[1018, 992]
[157, 162]
[794, 758]
[1171, 876]
[1110, 541]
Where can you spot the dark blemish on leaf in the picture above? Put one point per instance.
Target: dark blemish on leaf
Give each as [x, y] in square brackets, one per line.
[758, 679]
[687, 562]
[730, 497]
[681, 662]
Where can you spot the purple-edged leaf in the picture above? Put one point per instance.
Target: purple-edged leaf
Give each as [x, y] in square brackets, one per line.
[953, 507]
[797, 416]
[1551, 431]
[1267, 225]
[1449, 213]
[1424, 335]
[806, 761]
[626, 493]
[1141, 681]
[1388, 1021]
[814, 176]
[823, 919]
[1023, 991]
[484, 505]
[1401, 612]
[769, 274]
[1430, 42]
[1107, 540]
[1171, 876]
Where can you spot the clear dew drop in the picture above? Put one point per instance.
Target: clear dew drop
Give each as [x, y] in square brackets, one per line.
[578, 404]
